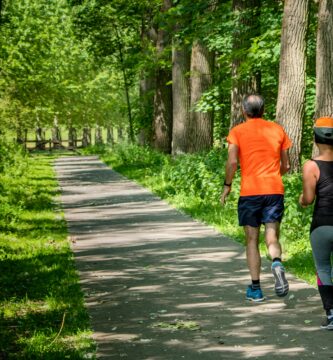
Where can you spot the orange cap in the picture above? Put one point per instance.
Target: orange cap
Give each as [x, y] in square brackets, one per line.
[324, 121]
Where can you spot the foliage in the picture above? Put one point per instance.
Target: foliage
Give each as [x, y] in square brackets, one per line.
[193, 183]
[115, 31]
[77, 60]
[39, 292]
[48, 73]
[130, 154]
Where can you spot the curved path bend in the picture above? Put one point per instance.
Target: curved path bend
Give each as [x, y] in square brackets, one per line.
[159, 285]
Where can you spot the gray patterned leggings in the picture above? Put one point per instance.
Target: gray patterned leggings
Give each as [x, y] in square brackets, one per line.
[322, 247]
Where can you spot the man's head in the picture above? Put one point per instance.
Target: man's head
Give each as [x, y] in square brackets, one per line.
[253, 106]
[323, 130]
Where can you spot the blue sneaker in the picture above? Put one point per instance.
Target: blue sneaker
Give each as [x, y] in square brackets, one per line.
[281, 283]
[254, 295]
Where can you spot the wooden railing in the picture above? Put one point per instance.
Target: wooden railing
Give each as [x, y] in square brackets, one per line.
[52, 145]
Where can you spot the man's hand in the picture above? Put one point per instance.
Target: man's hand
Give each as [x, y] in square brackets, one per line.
[225, 193]
[230, 169]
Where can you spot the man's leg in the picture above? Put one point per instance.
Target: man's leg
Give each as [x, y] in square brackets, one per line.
[254, 292]
[252, 251]
[274, 250]
[272, 232]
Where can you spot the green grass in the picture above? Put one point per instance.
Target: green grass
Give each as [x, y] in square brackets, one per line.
[42, 314]
[192, 183]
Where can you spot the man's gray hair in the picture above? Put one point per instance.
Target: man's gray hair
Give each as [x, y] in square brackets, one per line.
[253, 106]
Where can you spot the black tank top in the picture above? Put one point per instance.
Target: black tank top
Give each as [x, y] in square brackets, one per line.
[323, 209]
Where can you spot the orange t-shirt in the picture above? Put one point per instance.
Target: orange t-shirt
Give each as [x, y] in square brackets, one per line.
[259, 144]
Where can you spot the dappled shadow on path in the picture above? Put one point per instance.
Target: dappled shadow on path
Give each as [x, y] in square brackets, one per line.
[161, 286]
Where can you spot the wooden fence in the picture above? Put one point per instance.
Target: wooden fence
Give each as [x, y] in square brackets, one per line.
[53, 145]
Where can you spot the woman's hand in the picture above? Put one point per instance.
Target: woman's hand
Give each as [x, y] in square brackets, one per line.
[301, 201]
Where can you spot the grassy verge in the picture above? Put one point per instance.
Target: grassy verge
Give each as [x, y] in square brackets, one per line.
[42, 315]
[192, 183]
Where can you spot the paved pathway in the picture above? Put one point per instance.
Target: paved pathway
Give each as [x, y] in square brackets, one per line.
[160, 286]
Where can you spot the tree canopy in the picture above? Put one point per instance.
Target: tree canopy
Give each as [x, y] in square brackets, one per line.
[111, 63]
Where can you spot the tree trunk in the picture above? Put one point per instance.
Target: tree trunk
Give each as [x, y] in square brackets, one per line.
[86, 137]
[201, 127]
[40, 144]
[98, 136]
[162, 125]
[324, 63]
[75, 138]
[120, 134]
[147, 85]
[126, 85]
[247, 27]
[292, 76]
[56, 135]
[181, 58]
[324, 60]
[71, 138]
[109, 136]
[56, 138]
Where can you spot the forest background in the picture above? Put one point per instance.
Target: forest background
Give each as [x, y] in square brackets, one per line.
[153, 87]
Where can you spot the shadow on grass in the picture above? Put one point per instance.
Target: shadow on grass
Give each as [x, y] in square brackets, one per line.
[17, 333]
[36, 290]
[38, 279]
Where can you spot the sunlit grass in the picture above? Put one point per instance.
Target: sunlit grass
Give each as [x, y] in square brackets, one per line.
[42, 314]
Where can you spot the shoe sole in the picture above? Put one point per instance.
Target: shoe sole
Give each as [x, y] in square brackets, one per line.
[256, 300]
[281, 283]
[328, 327]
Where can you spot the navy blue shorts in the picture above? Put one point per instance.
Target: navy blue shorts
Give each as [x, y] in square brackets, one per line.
[260, 209]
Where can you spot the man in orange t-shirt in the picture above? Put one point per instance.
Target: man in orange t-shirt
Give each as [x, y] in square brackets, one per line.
[261, 147]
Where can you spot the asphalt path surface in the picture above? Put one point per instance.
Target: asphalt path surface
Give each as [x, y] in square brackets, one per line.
[159, 285]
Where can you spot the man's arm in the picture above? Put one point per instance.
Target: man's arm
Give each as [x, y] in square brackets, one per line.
[285, 162]
[230, 169]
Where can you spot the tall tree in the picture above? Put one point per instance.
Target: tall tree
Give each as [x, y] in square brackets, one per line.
[246, 27]
[162, 124]
[181, 59]
[146, 87]
[292, 75]
[324, 60]
[201, 123]
[113, 29]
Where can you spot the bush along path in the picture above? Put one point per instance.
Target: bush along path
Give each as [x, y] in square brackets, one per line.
[42, 314]
[159, 285]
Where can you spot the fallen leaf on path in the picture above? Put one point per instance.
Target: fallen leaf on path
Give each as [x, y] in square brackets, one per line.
[146, 341]
[179, 325]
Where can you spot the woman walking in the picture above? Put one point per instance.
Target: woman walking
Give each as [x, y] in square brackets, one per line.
[318, 186]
